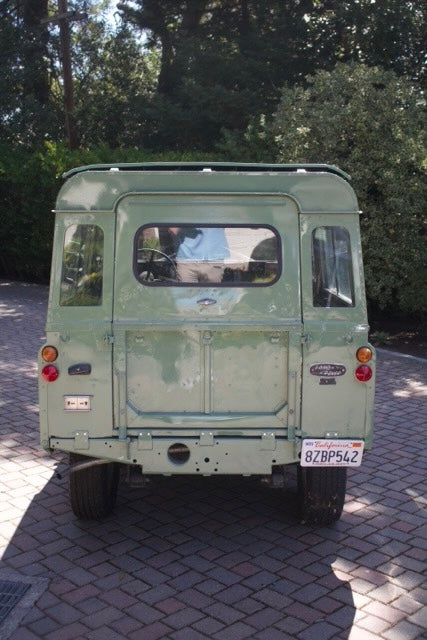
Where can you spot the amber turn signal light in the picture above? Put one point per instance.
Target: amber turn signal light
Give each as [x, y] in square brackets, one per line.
[49, 354]
[364, 354]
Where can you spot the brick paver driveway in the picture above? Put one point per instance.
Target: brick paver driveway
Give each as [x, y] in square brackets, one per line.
[209, 558]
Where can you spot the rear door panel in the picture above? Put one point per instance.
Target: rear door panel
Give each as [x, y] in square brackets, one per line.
[182, 365]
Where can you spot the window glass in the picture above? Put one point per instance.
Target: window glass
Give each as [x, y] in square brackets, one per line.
[332, 268]
[82, 266]
[195, 255]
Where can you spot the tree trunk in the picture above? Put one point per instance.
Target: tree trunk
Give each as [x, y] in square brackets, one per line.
[35, 53]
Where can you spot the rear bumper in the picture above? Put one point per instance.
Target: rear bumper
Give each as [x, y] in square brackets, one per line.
[206, 455]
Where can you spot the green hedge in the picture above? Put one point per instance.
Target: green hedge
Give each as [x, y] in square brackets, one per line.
[383, 160]
[29, 183]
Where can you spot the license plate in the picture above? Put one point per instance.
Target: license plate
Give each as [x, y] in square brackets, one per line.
[331, 453]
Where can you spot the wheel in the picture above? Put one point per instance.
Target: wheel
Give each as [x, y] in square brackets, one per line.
[321, 492]
[93, 489]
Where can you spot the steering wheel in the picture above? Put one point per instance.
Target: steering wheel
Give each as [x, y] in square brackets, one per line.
[158, 266]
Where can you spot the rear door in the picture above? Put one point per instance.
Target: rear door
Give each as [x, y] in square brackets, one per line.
[79, 319]
[213, 341]
[335, 326]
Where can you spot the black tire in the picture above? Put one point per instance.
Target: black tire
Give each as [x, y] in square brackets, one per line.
[321, 492]
[93, 490]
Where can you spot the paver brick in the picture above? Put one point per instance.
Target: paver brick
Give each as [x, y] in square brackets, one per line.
[224, 613]
[186, 580]
[327, 604]
[260, 580]
[245, 569]
[210, 587]
[233, 594]
[44, 626]
[63, 613]
[100, 634]
[358, 633]
[320, 631]
[82, 593]
[265, 618]
[208, 625]
[419, 618]
[310, 593]
[236, 631]
[248, 605]
[404, 631]
[183, 618]
[187, 634]
[125, 625]
[154, 631]
[374, 624]
[195, 598]
[170, 605]
[144, 613]
[390, 614]
[75, 631]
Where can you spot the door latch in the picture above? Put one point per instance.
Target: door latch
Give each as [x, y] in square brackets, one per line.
[205, 302]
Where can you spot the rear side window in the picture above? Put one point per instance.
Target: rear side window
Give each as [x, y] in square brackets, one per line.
[232, 255]
[332, 268]
[82, 266]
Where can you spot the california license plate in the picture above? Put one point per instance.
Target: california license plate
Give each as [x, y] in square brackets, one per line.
[331, 453]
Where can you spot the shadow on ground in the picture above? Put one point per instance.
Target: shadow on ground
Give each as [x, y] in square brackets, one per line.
[181, 558]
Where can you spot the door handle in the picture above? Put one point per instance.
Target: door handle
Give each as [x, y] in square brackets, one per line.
[205, 302]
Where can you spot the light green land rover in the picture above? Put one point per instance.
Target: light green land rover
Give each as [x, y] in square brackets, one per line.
[207, 319]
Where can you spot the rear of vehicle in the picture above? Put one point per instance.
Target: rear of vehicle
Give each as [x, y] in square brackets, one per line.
[207, 320]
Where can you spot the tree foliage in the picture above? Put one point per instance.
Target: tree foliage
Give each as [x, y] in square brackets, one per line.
[201, 67]
[224, 62]
[114, 85]
[369, 122]
[388, 33]
[25, 89]
[29, 183]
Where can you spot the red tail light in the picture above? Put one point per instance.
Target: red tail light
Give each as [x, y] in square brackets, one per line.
[49, 373]
[363, 373]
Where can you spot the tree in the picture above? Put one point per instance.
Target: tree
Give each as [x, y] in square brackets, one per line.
[25, 100]
[114, 81]
[220, 62]
[34, 54]
[203, 66]
[370, 123]
[388, 33]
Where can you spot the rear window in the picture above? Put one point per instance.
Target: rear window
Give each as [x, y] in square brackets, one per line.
[332, 268]
[82, 266]
[233, 255]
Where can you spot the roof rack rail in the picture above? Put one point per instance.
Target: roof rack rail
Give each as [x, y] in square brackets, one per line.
[213, 166]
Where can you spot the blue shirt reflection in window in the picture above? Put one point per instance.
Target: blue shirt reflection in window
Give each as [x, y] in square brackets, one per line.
[201, 253]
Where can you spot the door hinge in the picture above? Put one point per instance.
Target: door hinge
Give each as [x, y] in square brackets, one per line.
[268, 441]
[145, 441]
[206, 439]
[109, 339]
[81, 440]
